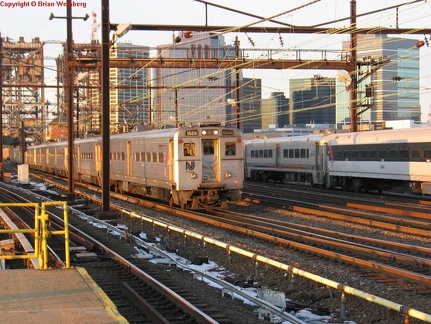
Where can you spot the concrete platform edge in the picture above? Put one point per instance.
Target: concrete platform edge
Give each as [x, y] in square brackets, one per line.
[109, 306]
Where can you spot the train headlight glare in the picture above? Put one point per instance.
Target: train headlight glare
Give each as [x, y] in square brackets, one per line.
[193, 175]
[228, 175]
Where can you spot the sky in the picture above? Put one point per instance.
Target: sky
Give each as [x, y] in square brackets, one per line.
[30, 19]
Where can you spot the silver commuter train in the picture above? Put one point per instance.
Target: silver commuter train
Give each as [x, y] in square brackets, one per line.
[196, 167]
[373, 160]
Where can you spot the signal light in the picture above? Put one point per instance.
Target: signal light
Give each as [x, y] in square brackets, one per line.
[420, 43]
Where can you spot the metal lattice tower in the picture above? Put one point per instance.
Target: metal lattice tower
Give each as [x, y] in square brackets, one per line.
[23, 88]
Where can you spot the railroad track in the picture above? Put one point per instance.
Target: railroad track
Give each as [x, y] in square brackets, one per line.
[410, 216]
[397, 283]
[378, 257]
[138, 296]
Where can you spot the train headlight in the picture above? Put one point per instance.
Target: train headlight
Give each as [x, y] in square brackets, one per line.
[227, 175]
[193, 175]
[216, 132]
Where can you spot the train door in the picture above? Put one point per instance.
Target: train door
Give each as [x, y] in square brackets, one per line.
[66, 158]
[78, 154]
[210, 160]
[129, 158]
[277, 156]
[319, 161]
[98, 158]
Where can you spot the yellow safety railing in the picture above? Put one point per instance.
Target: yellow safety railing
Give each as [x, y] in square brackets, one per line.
[40, 232]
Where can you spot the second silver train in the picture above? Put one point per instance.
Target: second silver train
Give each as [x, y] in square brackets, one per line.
[373, 160]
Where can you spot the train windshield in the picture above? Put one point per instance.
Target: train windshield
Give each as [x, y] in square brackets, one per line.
[208, 146]
[230, 148]
[189, 149]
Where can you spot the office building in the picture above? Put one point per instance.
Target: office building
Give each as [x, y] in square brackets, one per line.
[250, 113]
[129, 95]
[196, 94]
[274, 111]
[312, 100]
[388, 82]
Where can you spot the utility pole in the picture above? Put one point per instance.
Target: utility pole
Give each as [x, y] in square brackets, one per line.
[353, 59]
[69, 86]
[237, 85]
[69, 111]
[105, 107]
[176, 107]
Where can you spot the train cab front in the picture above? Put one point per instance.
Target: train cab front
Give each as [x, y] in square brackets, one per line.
[212, 162]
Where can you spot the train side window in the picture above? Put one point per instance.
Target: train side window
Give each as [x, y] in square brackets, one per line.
[296, 153]
[346, 155]
[372, 155]
[427, 154]
[355, 155]
[303, 154]
[265, 153]
[404, 155]
[415, 154]
[285, 153]
[270, 153]
[154, 157]
[161, 157]
[290, 153]
[261, 153]
[252, 153]
[147, 157]
[392, 155]
[230, 148]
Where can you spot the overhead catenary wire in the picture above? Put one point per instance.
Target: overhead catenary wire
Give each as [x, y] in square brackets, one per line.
[312, 39]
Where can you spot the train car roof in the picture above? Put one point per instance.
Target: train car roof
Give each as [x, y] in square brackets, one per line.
[404, 135]
[155, 133]
[288, 139]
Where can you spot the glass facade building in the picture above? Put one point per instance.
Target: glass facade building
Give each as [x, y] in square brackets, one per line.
[129, 95]
[388, 71]
[274, 111]
[195, 94]
[312, 101]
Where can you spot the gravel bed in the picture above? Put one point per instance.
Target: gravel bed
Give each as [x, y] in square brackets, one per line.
[304, 293]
